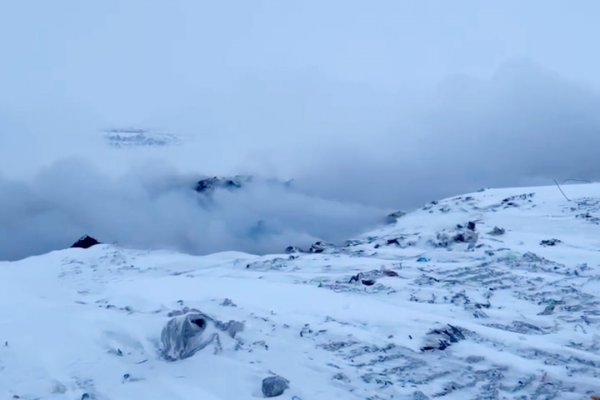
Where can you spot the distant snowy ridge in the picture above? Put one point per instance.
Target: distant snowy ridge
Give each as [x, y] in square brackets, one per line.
[131, 137]
[489, 295]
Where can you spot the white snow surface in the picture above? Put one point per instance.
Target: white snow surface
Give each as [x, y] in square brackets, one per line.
[86, 324]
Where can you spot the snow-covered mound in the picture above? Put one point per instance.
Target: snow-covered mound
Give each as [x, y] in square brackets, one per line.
[489, 295]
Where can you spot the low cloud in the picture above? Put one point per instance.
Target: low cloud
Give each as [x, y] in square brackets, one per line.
[353, 152]
[522, 126]
[159, 209]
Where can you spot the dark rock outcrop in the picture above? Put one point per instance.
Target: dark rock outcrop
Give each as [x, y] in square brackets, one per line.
[550, 242]
[394, 217]
[293, 250]
[85, 242]
[274, 386]
[319, 247]
[209, 185]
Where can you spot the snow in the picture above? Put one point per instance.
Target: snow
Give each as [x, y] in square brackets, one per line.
[82, 324]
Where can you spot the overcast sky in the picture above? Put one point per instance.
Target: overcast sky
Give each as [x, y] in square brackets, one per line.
[381, 104]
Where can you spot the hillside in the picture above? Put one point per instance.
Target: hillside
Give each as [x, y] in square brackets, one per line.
[488, 295]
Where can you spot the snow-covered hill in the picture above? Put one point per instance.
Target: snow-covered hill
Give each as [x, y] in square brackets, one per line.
[489, 295]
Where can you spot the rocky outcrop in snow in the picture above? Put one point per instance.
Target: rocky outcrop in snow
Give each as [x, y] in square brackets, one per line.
[85, 242]
[186, 334]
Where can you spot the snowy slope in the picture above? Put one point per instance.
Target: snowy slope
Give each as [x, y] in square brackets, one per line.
[419, 309]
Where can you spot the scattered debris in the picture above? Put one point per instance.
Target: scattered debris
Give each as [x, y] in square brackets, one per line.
[340, 376]
[370, 278]
[460, 234]
[550, 242]
[517, 200]
[497, 231]
[549, 310]
[228, 303]
[356, 278]
[440, 339]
